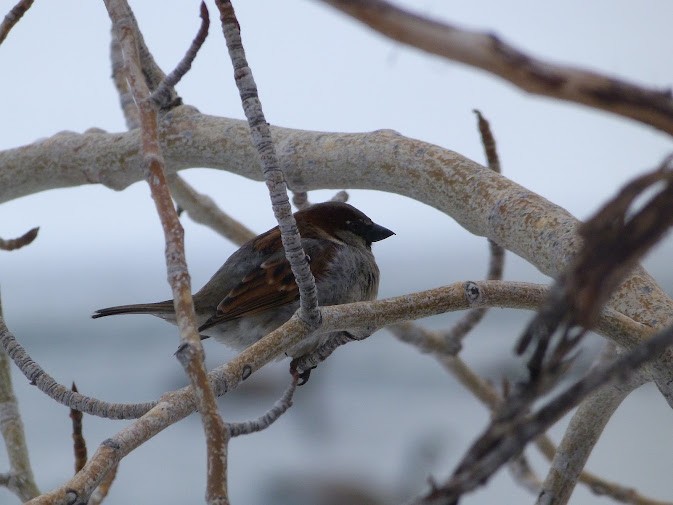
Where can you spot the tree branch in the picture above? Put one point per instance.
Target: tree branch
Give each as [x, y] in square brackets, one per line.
[490, 53]
[19, 242]
[190, 352]
[507, 438]
[13, 17]
[273, 174]
[20, 478]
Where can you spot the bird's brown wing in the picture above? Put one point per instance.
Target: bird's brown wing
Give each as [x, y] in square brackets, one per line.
[269, 285]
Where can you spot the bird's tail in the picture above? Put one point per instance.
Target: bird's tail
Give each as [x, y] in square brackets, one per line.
[165, 307]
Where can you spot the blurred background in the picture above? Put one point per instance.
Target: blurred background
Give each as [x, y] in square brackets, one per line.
[378, 417]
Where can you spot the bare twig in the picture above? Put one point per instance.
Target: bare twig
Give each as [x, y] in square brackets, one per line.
[20, 478]
[266, 420]
[490, 53]
[488, 141]
[162, 95]
[13, 17]
[202, 209]
[190, 353]
[273, 175]
[496, 252]
[17, 243]
[58, 392]
[79, 444]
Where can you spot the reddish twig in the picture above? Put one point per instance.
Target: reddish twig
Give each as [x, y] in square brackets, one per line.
[17, 243]
[162, 95]
[13, 17]
[79, 444]
[190, 352]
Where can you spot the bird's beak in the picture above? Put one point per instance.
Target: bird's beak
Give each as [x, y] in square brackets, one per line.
[377, 232]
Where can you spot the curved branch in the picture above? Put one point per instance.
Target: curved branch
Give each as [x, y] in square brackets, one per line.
[490, 53]
[483, 202]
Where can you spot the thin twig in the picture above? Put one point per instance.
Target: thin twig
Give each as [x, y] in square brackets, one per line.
[190, 353]
[79, 444]
[267, 419]
[13, 17]
[17, 243]
[490, 53]
[496, 252]
[20, 478]
[382, 313]
[60, 393]
[273, 175]
[162, 95]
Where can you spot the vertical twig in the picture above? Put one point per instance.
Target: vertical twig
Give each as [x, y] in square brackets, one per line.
[20, 479]
[78, 442]
[273, 175]
[190, 353]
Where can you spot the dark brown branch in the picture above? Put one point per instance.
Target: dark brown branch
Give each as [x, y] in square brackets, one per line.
[505, 439]
[614, 241]
[13, 17]
[17, 243]
[488, 52]
[79, 444]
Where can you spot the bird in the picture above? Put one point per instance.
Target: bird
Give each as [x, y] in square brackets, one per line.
[254, 291]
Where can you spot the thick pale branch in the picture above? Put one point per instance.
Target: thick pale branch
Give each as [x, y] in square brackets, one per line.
[484, 203]
[584, 430]
[490, 53]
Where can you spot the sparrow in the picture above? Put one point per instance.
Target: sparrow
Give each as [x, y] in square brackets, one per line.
[254, 292]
